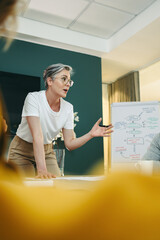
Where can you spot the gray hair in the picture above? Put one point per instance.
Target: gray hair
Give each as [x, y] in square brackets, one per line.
[53, 70]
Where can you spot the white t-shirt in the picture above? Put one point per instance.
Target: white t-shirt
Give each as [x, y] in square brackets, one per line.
[36, 104]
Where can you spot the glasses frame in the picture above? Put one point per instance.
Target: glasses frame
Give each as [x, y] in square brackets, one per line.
[71, 82]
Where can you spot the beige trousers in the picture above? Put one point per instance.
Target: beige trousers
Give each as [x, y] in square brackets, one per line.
[21, 153]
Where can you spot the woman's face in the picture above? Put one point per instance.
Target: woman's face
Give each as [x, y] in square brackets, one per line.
[60, 85]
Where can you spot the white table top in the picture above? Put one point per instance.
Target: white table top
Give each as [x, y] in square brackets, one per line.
[67, 180]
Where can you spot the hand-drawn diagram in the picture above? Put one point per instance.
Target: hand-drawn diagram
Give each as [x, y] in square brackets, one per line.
[135, 125]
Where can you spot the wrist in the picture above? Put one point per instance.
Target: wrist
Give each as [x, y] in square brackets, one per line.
[41, 169]
[90, 135]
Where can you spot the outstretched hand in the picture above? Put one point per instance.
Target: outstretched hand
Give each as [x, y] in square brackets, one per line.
[98, 131]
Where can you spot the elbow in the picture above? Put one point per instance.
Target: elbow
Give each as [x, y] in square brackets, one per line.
[70, 144]
[69, 148]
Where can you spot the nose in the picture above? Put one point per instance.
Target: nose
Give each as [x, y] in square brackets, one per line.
[68, 83]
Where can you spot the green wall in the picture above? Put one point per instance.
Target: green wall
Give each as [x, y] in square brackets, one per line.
[86, 94]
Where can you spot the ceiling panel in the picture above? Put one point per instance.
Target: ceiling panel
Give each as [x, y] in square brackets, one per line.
[101, 21]
[131, 6]
[56, 12]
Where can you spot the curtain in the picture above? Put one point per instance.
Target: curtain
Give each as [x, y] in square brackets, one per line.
[125, 89]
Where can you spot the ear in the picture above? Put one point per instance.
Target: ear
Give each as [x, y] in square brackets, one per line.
[49, 81]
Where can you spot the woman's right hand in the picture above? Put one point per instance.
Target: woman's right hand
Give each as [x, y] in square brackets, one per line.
[43, 174]
[38, 148]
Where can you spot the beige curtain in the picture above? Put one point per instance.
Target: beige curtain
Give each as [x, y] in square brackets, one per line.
[125, 89]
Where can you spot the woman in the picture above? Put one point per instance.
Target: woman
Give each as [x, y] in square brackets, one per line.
[44, 114]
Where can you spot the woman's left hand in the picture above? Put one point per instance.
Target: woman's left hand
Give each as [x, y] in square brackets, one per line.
[98, 131]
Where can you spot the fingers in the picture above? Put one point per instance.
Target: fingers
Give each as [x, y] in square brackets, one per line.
[53, 176]
[99, 120]
[110, 126]
[45, 175]
[103, 126]
[107, 133]
[106, 128]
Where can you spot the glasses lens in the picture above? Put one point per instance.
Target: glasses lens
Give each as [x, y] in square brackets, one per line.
[71, 83]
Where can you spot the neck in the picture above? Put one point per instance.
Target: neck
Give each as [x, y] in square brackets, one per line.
[53, 101]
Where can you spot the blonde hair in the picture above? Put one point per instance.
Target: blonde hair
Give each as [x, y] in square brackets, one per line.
[9, 9]
[3, 142]
[2, 131]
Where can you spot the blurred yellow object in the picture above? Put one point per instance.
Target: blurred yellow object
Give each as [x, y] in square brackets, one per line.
[125, 206]
[9, 10]
[5, 125]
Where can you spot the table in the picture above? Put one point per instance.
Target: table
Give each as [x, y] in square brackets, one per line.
[70, 182]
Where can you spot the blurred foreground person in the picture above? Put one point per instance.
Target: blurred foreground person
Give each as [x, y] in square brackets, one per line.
[7, 170]
[153, 151]
[4, 124]
[9, 9]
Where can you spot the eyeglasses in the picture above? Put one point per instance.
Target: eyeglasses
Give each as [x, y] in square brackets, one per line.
[65, 80]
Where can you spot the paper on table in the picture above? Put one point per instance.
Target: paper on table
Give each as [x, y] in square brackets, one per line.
[83, 178]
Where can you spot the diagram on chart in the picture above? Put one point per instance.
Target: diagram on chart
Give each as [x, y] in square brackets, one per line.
[135, 125]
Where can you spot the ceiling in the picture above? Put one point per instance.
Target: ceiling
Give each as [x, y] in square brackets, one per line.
[124, 33]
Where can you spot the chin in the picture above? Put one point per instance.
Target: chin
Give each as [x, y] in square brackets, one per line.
[65, 95]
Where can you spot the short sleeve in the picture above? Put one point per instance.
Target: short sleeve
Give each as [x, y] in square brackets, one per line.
[31, 106]
[69, 124]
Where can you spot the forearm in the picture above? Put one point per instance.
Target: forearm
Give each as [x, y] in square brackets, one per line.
[78, 142]
[38, 147]
[97, 131]
[39, 154]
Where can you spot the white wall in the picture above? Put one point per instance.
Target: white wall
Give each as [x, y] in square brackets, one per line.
[150, 83]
